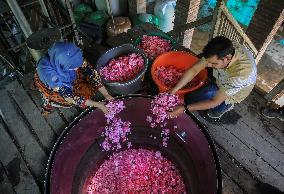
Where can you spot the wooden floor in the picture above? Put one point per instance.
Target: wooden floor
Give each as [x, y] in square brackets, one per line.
[26, 137]
[250, 147]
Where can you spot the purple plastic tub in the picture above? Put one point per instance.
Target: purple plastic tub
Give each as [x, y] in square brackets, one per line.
[77, 153]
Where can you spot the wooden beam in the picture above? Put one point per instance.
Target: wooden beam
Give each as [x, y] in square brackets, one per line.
[180, 18]
[141, 6]
[194, 7]
[132, 7]
[269, 38]
[276, 90]
[215, 18]
[190, 25]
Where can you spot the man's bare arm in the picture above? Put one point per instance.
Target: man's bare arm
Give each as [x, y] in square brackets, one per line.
[189, 75]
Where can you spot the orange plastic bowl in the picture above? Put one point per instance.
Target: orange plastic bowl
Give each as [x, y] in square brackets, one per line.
[181, 60]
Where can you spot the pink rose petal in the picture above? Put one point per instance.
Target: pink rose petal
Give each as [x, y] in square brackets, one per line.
[136, 171]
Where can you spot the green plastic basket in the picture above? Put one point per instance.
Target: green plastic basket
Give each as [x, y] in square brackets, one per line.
[160, 34]
[96, 17]
[81, 10]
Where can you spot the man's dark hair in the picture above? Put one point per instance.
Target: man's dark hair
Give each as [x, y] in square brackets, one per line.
[220, 46]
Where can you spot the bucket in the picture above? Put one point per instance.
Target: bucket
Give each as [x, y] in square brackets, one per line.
[131, 86]
[180, 60]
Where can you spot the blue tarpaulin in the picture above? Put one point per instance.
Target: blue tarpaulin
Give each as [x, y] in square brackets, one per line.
[242, 10]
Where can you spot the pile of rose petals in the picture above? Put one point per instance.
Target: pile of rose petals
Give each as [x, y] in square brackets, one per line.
[136, 171]
[170, 75]
[123, 68]
[116, 130]
[154, 46]
[114, 107]
[160, 106]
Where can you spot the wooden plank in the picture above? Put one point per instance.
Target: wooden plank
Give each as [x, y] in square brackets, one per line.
[141, 6]
[266, 129]
[32, 114]
[53, 119]
[190, 25]
[276, 90]
[258, 101]
[270, 134]
[5, 184]
[150, 7]
[229, 187]
[31, 149]
[69, 113]
[181, 12]
[236, 172]
[255, 142]
[21, 178]
[270, 153]
[239, 175]
[243, 154]
[132, 7]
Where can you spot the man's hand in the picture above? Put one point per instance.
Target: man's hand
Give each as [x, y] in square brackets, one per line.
[178, 110]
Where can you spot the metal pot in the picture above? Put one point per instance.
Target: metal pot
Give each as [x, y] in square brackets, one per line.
[77, 151]
[118, 25]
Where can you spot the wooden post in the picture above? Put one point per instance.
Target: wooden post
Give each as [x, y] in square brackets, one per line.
[264, 25]
[181, 15]
[192, 16]
[215, 18]
[269, 38]
[137, 7]
[276, 95]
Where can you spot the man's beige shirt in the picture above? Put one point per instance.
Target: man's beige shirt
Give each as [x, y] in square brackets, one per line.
[238, 78]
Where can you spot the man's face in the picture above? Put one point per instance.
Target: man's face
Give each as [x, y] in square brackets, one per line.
[218, 63]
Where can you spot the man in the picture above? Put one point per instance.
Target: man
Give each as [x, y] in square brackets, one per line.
[234, 69]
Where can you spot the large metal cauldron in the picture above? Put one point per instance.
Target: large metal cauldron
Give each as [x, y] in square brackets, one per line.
[77, 152]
